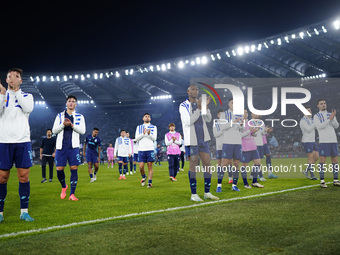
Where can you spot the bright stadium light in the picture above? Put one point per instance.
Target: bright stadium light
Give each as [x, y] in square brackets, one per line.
[302, 34]
[204, 60]
[293, 36]
[279, 42]
[95, 76]
[52, 78]
[316, 31]
[82, 77]
[117, 74]
[252, 48]
[259, 47]
[163, 67]
[192, 62]
[227, 53]
[101, 76]
[32, 79]
[266, 45]
[212, 57]
[239, 51]
[218, 55]
[181, 64]
[246, 49]
[158, 67]
[131, 71]
[198, 60]
[309, 34]
[88, 76]
[151, 68]
[58, 78]
[168, 65]
[324, 29]
[336, 24]
[65, 78]
[76, 76]
[44, 78]
[126, 72]
[287, 39]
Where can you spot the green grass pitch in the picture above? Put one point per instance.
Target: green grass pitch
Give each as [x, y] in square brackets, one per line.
[305, 221]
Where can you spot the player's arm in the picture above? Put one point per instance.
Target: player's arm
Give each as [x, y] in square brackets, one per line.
[25, 101]
[305, 127]
[139, 135]
[58, 125]
[167, 142]
[226, 122]
[116, 148]
[2, 97]
[318, 123]
[41, 151]
[186, 119]
[153, 136]
[334, 121]
[84, 148]
[99, 150]
[81, 128]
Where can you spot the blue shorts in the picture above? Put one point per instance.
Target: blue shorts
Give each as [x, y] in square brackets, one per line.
[91, 156]
[123, 159]
[146, 156]
[232, 151]
[266, 150]
[18, 153]
[248, 156]
[260, 149]
[219, 154]
[195, 150]
[310, 147]
[328, 149]
[135, 157]
[71, 155]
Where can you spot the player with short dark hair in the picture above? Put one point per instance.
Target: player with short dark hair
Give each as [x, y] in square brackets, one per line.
[173, 140]
[68, 126]
[15, 141]
[123, 150]
[326, 123]
[91, 150]
[47, 154]
[146, 135]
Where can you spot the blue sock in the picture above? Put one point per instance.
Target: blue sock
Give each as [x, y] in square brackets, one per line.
[255, 170]
[322, 173]
[236, 173]
[269, 160]
[125, 169]
[3, 194]
[193, 182]
[244, 175]
[73, 181]
[120, 167]
[134, 167]
[335, 171]
[220, 174]
[91, 176]
[24, 193]
[149, 181]
[144, 176]
[61, 178]
[207, 182]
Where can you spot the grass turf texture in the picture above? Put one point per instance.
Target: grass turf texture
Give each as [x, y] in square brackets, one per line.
[112, 197]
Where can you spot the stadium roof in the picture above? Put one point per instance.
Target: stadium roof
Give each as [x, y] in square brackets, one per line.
[311, 52]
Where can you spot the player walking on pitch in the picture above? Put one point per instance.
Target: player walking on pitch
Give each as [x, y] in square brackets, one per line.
[15, 141]
[91, 150]
[196, 137]
[68, 125]
[326, 123]
[146, 135]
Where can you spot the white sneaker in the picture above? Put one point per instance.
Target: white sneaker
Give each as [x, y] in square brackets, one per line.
[95, 177]
[131, 173]
[210, 196]
[195, 198]
[257, 185]
[262, 179]
[181, 169]
[127, 173]
[92, 180]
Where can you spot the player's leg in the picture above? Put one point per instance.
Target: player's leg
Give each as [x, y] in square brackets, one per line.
[236, 173]
[205, 157]
[96, 169]
[74, 162]
[4, 176]
[60, 162]
[24, 192]
[120, 167]
[43, 169]
[176, 165]
[255, 170]
[50, 166]
[324, 152]
[89, 169]
[171, 167]
[335, 164]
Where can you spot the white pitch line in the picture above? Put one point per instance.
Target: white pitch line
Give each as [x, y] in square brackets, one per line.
[40, 230]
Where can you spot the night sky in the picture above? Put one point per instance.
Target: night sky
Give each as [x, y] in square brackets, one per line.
[60, 37]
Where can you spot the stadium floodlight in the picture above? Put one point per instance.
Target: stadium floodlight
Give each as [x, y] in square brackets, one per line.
[279, 42]
[293, 36]
[324, 29]
[82, 77]
[88, 76]
[131, 71]
[239, 51]
[233, 52]
[65, 78]
[309, 34]
[204, 60]
[52, 78]
[37, 78]
[198, 60]
[246, 49]
[32, 79]
[151, 68]
[126, 72]
[158, 67]
[323, 75]
[117, 74]
[272, 42]
[95, 76]
[168, 65]
[76, 76]
[91, 102]
[58, 78]
[316, 31]
[218, 55]
[301, 34]
[227, 53]
[266, 45]
[151, 98]
[44, 78]
[212, 57]
[336, 24]
[101, 76]
[252, 48]
[163, 67]
[192, 62]
[181, 64]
